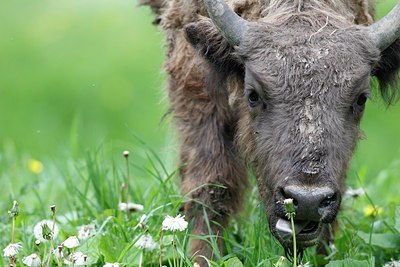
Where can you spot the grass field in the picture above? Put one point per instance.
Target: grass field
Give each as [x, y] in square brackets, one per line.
[81, 82]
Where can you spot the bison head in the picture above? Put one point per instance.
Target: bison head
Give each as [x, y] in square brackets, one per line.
[306, 80]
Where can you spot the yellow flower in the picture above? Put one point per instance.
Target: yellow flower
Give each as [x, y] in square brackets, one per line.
[35, 166]
[372, 211]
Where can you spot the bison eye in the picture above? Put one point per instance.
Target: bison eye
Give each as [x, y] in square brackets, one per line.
[362, 99]
[253, 98]
[359, 104]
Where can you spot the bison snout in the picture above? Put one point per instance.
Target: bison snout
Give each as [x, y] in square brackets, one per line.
[313, 203]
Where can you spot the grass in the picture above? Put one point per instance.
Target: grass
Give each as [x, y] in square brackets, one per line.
[78, 79]
[92, 193]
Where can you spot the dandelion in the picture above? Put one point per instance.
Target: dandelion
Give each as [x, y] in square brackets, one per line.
[281, 262]
[71, 242]
[177, 223]
[86, 231]
[392, 263]
[115, 264]
[35, 166]
[58, 252]
[77, 259]
[32, 260]
[14, 211]
[129, 207]
[43, 230]
[289, 207]
[12, 250]
[142, 221]
[354, 193]
[372, 211]
[145, 242]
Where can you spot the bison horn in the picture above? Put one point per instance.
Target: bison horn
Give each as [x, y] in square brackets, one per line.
[231, 26]
[387, 30]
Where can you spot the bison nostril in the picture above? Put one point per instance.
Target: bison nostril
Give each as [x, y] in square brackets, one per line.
[328, 201]
[287, 196]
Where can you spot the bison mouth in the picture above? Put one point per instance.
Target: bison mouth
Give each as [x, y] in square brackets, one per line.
[307, 232]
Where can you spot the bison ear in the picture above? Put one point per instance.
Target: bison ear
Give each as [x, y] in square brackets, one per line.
[212, 46]
[387, 72]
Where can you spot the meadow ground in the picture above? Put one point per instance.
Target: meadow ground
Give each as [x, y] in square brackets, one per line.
[81, 83]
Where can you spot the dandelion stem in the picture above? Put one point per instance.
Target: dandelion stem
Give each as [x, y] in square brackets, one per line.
[294, 242]
[12, 229]
[53, 210]
[13, 213]
[141, 259]
[173, 249]
[126, 155]
[160, 252]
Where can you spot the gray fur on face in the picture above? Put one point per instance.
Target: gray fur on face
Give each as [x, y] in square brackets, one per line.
[305, 129]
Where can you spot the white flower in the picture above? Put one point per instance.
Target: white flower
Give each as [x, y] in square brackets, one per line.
[58, 252]
[115, 264]
[71, 242]
[32, 260]
[146, 242]
[77, 259]
[307, 264]
[354, 193]
[142, 221]
[12, 250]
[125, 207]
[86, 231]
[392, 264]
[174, 224]
[46, 225]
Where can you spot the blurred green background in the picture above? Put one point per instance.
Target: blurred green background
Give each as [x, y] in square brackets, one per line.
[79, 74]
[75, 75]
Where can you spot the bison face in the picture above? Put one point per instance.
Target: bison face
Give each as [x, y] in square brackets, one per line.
[303, 98]
[306, 82]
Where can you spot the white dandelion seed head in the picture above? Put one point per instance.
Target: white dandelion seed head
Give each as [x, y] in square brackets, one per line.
[177, 223]
[392, 263]
[145, 242]
[129, 207]
[32, 260]
[58, 252]
[38, 230]
[115, 264]
[354, 193]
[77, 259]
[12, 250]
[86, 231]
[71, 242]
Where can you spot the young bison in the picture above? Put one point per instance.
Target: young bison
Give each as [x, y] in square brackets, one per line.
[279, 86]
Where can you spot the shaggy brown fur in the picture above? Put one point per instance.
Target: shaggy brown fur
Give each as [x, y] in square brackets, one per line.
[206, 96]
